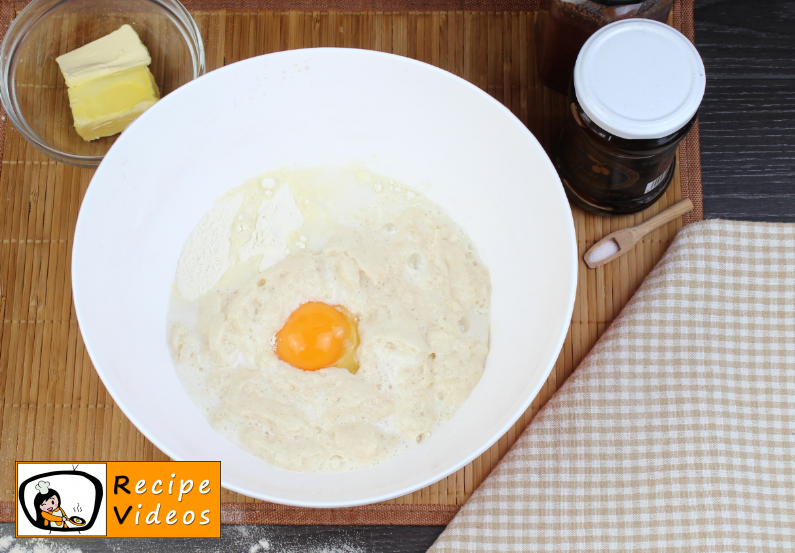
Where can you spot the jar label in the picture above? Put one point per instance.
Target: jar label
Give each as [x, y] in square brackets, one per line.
[605, 173]
[590, 165]
[656, 182]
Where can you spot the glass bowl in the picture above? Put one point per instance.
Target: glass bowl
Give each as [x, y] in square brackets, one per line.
[33, 90]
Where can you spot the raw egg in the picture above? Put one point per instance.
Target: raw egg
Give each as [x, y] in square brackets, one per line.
[318, 335]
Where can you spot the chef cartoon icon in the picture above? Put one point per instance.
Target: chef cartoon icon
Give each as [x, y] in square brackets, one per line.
[55, 501]
[49, 512]
[48, 506]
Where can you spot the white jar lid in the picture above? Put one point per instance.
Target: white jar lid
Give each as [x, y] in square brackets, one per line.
[639, 79]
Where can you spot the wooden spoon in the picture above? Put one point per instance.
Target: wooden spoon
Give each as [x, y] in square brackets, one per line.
[625, 239]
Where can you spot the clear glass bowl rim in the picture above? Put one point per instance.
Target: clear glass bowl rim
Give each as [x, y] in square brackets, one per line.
[32, 14]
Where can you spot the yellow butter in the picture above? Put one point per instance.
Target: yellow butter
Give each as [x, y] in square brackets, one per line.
[106, 105]
[118, 51]
[109, 83]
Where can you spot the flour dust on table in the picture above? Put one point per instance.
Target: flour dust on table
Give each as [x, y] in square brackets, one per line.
[9, 544]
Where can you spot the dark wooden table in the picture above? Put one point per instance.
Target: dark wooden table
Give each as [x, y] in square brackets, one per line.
[748, 114]
[748, 161]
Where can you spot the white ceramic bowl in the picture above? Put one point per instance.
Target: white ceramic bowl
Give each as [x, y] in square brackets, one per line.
[310, 108]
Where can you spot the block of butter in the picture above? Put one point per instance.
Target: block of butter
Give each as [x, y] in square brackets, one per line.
[109, 83]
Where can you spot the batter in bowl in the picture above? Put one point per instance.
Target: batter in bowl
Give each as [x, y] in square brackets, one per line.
[328, 319]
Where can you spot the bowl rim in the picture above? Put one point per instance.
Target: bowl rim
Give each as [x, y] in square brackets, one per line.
[32, 14]
[440, 474]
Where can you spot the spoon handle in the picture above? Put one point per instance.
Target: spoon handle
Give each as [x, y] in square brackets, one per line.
[673, 212]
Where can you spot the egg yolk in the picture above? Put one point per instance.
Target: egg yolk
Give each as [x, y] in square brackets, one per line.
[318, 335]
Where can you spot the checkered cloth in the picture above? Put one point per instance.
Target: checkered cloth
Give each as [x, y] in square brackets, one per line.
[677, 432]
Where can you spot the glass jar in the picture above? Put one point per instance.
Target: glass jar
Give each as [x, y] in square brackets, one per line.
[570, 24]
[635, 94]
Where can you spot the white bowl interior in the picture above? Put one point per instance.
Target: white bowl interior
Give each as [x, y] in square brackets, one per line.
[313, 108]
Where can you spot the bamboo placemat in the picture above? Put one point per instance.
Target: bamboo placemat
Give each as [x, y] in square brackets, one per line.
[53, 405]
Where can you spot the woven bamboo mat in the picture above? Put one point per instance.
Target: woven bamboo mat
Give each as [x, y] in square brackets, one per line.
[53, 405]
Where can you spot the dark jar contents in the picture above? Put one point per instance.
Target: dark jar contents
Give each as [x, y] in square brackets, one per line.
[571, 24]
[607, 174]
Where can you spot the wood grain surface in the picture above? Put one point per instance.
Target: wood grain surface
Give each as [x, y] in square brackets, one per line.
[748, 114]
[747, 157]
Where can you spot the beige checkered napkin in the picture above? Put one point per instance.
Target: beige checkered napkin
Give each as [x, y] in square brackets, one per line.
[677, 432]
